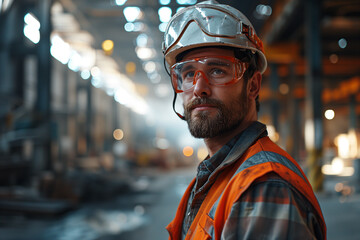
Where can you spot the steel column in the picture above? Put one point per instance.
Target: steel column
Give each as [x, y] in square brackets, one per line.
[293, 116]
[313, 110]
[274, 85]
[353, 117]
[43, 99]
[89, 117]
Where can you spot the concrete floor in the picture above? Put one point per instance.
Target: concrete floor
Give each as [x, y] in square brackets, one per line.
[341, 211]
[140, 215]
[144, 214]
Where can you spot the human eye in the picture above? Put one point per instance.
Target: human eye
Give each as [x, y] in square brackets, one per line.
[218, 68]
[188, 76]
[218, 72]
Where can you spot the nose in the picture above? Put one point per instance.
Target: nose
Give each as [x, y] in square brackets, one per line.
[201, 85]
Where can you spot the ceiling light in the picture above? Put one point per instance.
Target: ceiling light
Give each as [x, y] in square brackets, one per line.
[333, 58]
[120, 2]
[140, 107]
[142, 40]
[32, 28]
[96, 82]
[263, 10]
[202, 153]
[162, 90]
[130, 68]
[95, 71]
[164, 2]
[32, 34]
[329, 114]
[60, 50]
[85, 74]
[57, 9]
[132, 13]
[145, 53]
[179, 8]
[118, 134]
[149, 67]
[134, 27]
[164, 14]
[342, 43]
[162, 26]
[129, 27]
[107, 45]
[139, 26]
[284, 88]
[122, 96]
[188, 151]
[186, 2]
[75, 61]
[154, 77]
[31, 20]
[110, 92]
[111, 81]
[343, 144]
[162, 143]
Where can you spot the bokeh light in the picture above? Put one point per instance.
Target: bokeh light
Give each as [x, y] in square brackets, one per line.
[118, 134]
[188, 151]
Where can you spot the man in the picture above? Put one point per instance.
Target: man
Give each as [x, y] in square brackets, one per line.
[247, 188]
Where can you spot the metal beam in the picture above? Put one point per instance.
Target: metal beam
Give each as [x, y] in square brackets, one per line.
[43, 100]
[313, 108]
[89, 118]
[274, 84]
[286, 23]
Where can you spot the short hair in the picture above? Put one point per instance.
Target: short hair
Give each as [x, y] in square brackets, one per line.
[248, 56]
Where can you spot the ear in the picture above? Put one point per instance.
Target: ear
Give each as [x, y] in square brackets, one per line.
[254, 85]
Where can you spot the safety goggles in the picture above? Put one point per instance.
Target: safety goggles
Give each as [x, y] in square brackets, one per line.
[213, 21]
[216, 70]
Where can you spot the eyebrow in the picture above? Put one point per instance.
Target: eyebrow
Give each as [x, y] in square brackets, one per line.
[210, 63]
[217, 63]
[188, 67]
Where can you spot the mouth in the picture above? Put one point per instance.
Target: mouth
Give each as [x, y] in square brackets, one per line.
[203, 107]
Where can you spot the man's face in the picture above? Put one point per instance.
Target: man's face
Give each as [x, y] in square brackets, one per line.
[214, 110]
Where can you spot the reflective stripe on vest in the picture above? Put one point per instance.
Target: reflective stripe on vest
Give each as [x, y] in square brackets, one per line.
[261, 158]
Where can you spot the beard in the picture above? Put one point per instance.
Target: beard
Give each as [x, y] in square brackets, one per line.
[227, 118]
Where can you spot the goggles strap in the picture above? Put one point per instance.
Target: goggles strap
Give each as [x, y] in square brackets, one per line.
[249, 32]
[175, 95]
[174, 101]
[166, 69]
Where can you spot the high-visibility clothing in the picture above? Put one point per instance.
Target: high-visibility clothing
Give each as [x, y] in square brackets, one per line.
[256, 162]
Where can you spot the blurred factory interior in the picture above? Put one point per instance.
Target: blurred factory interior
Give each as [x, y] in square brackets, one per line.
[86, 102]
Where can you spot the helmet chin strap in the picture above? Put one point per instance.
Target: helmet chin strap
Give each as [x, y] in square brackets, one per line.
[174, 101]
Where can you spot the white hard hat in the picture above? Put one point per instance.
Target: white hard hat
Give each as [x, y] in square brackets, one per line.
[210, 24]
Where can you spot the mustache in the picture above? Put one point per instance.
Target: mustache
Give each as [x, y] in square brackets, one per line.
[199, 101]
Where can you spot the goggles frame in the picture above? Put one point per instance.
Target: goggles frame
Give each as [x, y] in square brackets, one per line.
[235, 79]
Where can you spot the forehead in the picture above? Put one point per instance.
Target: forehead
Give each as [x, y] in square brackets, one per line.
[210, 51]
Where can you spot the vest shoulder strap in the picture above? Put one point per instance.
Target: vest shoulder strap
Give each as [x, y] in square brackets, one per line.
[262, 158]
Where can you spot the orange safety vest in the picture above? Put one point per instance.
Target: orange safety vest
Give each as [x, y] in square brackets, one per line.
[229, 187]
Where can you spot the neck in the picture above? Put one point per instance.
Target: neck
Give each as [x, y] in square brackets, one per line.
[216, 143]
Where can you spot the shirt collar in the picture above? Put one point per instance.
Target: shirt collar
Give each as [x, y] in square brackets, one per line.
[244, 140]
[232, 150]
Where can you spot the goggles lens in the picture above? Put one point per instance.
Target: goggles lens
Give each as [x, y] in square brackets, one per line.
[219, 71]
